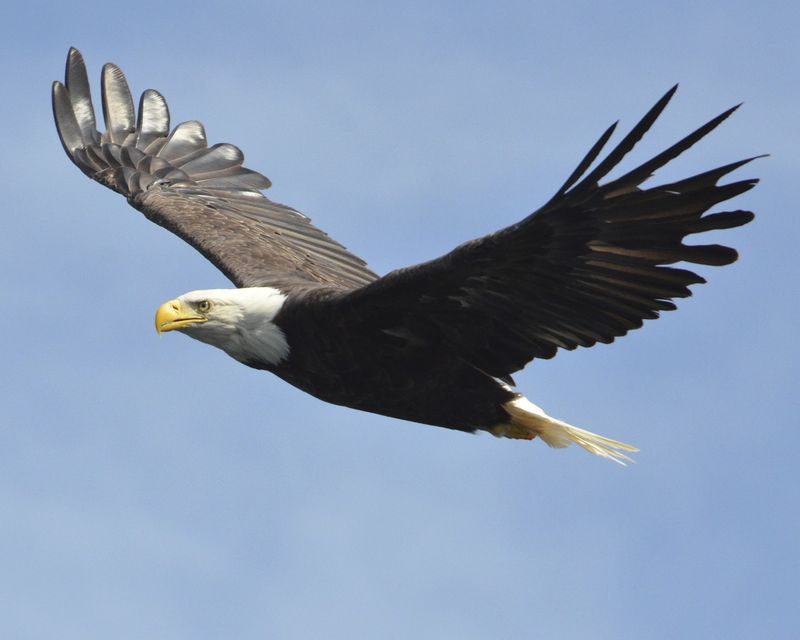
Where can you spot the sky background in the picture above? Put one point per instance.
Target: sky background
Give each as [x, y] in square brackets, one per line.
[155, 488]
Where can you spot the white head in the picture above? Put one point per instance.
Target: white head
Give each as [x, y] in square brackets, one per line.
[238, 321]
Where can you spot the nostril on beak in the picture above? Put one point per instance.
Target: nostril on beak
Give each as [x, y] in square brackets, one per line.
[176, 306]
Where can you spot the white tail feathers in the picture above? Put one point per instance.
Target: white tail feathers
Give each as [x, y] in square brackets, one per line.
[529, 421]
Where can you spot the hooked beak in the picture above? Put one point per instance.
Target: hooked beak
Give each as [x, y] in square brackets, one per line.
[173, 315]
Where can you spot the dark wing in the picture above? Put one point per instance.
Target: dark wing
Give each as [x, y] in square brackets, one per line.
[202, 194]
[585, 268]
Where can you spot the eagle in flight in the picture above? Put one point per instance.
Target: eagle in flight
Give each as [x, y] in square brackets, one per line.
[434, 343]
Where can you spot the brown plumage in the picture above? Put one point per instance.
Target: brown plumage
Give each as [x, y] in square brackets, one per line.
[202, 194]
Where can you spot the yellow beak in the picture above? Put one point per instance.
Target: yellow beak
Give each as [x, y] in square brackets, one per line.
[173, 315]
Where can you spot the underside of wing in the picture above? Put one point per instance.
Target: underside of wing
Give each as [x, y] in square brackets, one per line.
[587, 267]
[203, 194]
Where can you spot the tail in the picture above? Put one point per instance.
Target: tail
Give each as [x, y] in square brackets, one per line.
[527, 421]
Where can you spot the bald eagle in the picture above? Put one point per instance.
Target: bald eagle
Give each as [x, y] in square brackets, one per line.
[434, 343]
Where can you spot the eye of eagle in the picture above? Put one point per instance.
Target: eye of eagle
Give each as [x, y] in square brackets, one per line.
[204, 306]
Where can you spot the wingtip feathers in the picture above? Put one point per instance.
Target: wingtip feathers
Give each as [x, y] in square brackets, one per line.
[144, 134]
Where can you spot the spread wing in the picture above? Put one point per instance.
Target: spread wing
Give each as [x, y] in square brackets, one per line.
[587, 267]
[202, 194]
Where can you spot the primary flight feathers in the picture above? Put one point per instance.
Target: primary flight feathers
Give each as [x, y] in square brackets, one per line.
[436, 342]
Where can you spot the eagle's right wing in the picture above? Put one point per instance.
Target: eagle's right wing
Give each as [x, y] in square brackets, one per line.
[202, 194]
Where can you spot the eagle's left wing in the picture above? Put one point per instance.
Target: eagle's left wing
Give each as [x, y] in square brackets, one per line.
[587, 267]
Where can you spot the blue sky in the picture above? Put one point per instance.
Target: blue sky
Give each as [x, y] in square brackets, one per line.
[152, 487]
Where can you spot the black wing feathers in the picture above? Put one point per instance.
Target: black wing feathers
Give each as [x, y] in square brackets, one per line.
[587, 161]
[644, 171]
[587, 267]
[626, 145]
[201, 193]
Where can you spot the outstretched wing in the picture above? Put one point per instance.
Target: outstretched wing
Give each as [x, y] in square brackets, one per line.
[585, 268]
[202, 194]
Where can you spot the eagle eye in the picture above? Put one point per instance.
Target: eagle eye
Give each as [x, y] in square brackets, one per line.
[204, 306]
